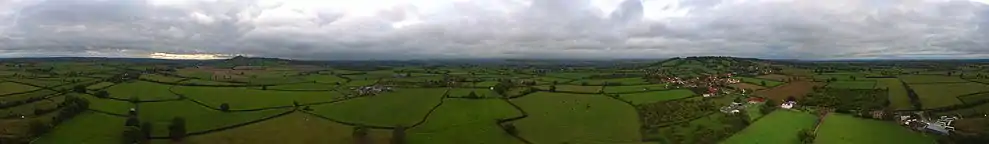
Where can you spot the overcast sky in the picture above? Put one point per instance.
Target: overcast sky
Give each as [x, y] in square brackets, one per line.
[428, 29]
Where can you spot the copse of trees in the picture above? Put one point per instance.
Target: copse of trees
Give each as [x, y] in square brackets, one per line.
[360, 134]
[225, 107]
[102, 94]
[398, 135]
[177, 130]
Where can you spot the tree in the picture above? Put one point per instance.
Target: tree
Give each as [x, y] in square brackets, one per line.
[146, 130]
[583, 83]
[177, 130]
[37, 128]
[763, 83]
[768, 106]
[552, 88]
[472, 95]
[806, 136]
[360, 134]
[79, 89]
[852, 77]
[132, 121]
[398, 135]
[510, 128]
[102, 94]
[225, 107]
[132, 135]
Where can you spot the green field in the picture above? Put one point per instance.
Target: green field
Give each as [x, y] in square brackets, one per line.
[576, 118]
[974, 98]
[573, 88]
[897, 93]
[87, 127]
[329, 79]
[620, 81]
[464, 92]
[247, 98]
[100, 85]
[402, 107]
[304, 86]
[295, 128]
[460, 121]
[840, 76]
[161, 78]
[757, 81]
[198, 118]
[141, 90]
[852, 84]
[779, 127]
[942, 95]
[207, 82]
[845, 129]
[108, 105]
[912, 79]
[635, 88]
[28, 109]
[656, 96]
[10, 88]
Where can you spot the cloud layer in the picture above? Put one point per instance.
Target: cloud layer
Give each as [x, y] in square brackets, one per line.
[426, 29]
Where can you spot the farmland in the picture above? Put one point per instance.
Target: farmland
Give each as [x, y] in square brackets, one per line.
[679, 100]
[838, 128]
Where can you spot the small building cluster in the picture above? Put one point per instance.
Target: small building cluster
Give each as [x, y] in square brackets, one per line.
[371, 90]
[735, 107]
[942, 125]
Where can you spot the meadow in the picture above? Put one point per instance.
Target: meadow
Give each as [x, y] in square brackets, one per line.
[852, 84]
[942, 95]
[576, 118]
[846, 129]
[778, 127]
[758, 81]
[656, 96]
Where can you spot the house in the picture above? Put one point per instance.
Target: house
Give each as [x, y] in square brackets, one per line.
[735, 107]
[788, 104]
[938, 129]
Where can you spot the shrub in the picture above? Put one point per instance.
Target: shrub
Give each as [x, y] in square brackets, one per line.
[398, 135]
[79, 89]
[510, 128]
[102, 94]
[225, 107]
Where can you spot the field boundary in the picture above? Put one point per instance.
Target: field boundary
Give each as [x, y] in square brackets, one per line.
[231, 126]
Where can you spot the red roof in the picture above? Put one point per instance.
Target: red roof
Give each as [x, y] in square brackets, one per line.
[757, 99]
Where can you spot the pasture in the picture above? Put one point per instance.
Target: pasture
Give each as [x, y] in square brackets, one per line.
[852, 84]
[634, 88]
[247, 98]
[466, 121]
[141, 90]
[942, 95]
[778, 127]
[760, 82]
[294, 128]
[845, 129]
[917, 79]
[898, 97]
[656, 96]
[402, 107]
[576, 118]
[7, 88]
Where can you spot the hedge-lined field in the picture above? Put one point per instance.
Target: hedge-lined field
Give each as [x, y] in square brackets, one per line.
[778, 127]
[845, 129]
[576, 118]
[402, 107]
[656, 96]
[942, 95]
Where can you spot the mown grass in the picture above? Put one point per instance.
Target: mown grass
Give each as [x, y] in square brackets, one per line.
[401, 107]
[576, 118]
[574, 88]
[460, 121]
[845, 129]
[304, 86]
[942, 95]
[656, 96]
[325, 78]
[100, 85]
[161, 78]
[779, 127]
[107, 105]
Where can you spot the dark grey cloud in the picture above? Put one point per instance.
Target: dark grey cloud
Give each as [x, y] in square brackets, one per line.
[398, 29]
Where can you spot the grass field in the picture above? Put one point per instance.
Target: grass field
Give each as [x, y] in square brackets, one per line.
[463, 92]
[779, 127]
[756, 81]
[747, 86]
[247, 98]
[942, 95]
[622, 81]
[774, 77]
[100, 85]
[361, 82]
[207, 82]
[974, 98]
[28, 109]
[402, 107]
[485, 84]
[142, 90]
[852, 84]
[10, 88]
[107, 105]
[851, 76]
[325, 79]
[40, 82]
[295, 128]
[690, 132]
[26, 96]
[573, 88]
[898, 98]
[88, 127]
[656, 96]
[198, 118]
[575, 118]
[911, 79]
[845, 129]
[461, 121]
[161, 78]
[636, 88]
[304, 86]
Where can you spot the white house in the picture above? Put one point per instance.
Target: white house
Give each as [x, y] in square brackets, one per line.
[788, 104]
